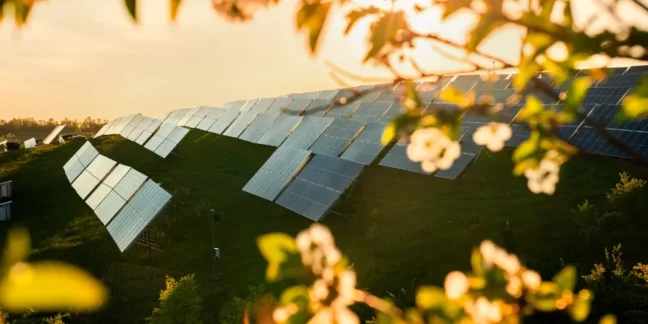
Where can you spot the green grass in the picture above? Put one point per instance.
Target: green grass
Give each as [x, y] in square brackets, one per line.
[422, 227]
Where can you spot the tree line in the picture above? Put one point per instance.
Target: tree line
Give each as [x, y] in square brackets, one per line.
[19, 128]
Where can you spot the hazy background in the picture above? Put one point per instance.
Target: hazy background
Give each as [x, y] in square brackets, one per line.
[78, 58]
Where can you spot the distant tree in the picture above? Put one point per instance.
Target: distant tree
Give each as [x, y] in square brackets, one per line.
[179, 303]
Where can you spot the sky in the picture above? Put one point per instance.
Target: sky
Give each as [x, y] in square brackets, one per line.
[78, 58]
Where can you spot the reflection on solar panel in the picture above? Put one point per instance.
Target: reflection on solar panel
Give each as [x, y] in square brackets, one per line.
[276, 172]
[279, 130]
[129, 184]
[98, 196]
[53, 134]
[319, 185]
[259, 125]
[337, 137]
[166, 139]
[100, 166]
[588, 140]
[307, 132]
[86, 154]
[367, 146]
[328, 94]
[212, 115]
[465, 82]
[109, 207]
[318, 108]
[197, 117]
[371, 111]
[248, 105]
[239, 125]
[84, 184]
[187, 116]
[297, 106]
[342, 112]
[279, 105]
[225, 119]
[520, 134]
[397, 158]
[457, 167]
[73, 168]
[262, 105]
[137, 214]
[117, 174]
[103, 129]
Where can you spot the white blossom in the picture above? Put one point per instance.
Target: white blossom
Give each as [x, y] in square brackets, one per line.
[514, 287]
[531, 279]
[484, 311]
[544, 178]
[492, 136]
[456, 284]
[433, 149]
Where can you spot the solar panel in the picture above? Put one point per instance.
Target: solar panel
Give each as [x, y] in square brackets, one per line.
[100, 166]
[520, 133]
[86, 154]
[606, 114]
[305, 95]
[588, 140]
[259, 125]
[297, 106]
[388, 96]
[467, 144]
[279, 130]
[116, 175]
[307, 132]
[109, 207]
[625, 81]
[371, 111]
[465, 82]
[262, 105]
[98, 196]
[248, 105]
[234, 105]
[319, 185]
[73, 167]
[187, 116]
[317, 108]
[129, 184]
[276, 172]
[197, 117]
[143, 137]
[328, 94]
[137, 214]
[57, 130]
[344, 111]
[367, 146]
[84, 184]
[134, 134]
[30, 143]
[153, 143]
[279, 105]
[239, 125]
[102, 130]
[337, 137]
[397, 158]
[177, 134]
[224, 121]
[457, 167]
[153, 125]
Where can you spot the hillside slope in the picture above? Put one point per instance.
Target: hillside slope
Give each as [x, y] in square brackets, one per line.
[399, 229]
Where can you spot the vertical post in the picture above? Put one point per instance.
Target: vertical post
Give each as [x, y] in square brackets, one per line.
[212, 220]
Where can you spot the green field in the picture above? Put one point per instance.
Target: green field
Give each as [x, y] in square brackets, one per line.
[422, 227]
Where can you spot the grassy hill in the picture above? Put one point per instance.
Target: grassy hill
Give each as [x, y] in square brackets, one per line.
[400, 229]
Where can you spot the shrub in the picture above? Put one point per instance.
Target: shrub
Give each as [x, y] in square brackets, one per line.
[179, 303]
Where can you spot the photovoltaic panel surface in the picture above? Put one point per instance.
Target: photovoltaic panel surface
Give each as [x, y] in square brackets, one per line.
[197, 117]
[279, 130]
[98, 196]
[520, 133]
[73, 167]
[149, 201]
[588, 140]
[328, 94]
[102, 130]
[457, 167]
[100, 166]
[109, 207]
[84, 184]
[276, 172]
[307, 132]
[248, 105]
[371, 111]
[129, 184]
[86, 154]
[366, 147]
[262, 105]
[239, 125]
[187, 116]
[397, 158]
[342, 112]
[317, 108]
[53, 134]
[154, 142]
[224, 121]
[319, 185]
[280, 104]
[258, 126]
[297, 106]
[116, 175]
[30, 143]
[337, 137]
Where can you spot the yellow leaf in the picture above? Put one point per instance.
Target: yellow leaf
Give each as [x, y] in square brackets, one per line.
[17, 247]
[430, 297]
[453, 95]
[388, 134]
[276, 248]
[608, 319]
[50, 286]
[174, 6]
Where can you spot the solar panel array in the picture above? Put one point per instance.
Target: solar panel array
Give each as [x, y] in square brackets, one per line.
[123, 199]
[304, 125]
[57, 130]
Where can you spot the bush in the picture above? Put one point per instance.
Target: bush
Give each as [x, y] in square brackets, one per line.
[255, 306]
[179, 303]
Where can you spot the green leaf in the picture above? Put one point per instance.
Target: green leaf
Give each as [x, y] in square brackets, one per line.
[131, 5]
[487, 24]
[312, 16]
[388, 133]
[453, 6]
[579, 310]
[429, 297]
[635, 104]
[453, 95]
[282, 254]
[477, 262]
[297, 295]
[545, 298]
[385, 30]
[174, 6]
[576, 93]
[547, 9]
[532, 108]
[539, 43]
[566, 278]
[355, 15]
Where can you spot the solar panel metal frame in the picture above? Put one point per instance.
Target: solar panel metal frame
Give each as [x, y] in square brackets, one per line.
[109, 207]
[258, 126]
[130, 183]
[282, 127]
[57, 130]
[101, 166]
[224, 121]
[337, 137]
[262, 105]
[73, 168]
[366, 147]
[84, 184]
[371, 111]
[240, 124]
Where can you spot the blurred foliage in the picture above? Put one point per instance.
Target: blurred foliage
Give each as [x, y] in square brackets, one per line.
[179, 303]
[256, 307]
[44, 285]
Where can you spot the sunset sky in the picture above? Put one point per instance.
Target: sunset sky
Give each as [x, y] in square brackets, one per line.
[79, 58]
